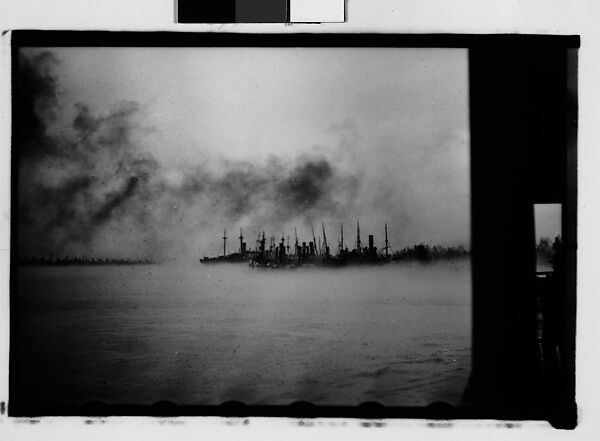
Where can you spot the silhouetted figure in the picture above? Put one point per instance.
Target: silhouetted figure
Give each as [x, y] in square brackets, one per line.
[557, 245]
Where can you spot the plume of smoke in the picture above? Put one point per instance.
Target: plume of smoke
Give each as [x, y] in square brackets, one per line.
[94, 190]
[35, 102]
[87, 184]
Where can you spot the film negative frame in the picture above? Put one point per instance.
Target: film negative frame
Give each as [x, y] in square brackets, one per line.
[509, 77]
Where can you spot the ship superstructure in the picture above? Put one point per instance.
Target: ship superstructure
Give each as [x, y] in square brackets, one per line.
[279, 253]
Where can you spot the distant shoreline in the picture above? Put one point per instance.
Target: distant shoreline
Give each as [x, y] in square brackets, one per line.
[82, 262]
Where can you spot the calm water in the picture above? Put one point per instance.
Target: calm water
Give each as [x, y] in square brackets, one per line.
[397, 334]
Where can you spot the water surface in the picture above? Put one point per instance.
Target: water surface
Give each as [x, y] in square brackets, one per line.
[398, 334]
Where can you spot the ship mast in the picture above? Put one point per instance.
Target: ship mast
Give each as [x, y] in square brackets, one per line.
[387, 244]
[325, 240]
[241, 241]
[341, 237]
[225, 243]
[296, 234]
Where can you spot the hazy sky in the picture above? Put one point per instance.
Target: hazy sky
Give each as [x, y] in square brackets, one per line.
[547, 221]
[242, 102]
[181, 143]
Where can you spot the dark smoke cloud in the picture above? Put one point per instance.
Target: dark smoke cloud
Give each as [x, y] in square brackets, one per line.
[115, 199]
[35, 102]
[307, 184]
[92, 188]
[267, 196]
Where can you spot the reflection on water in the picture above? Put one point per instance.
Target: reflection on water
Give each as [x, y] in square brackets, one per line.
[397, 334]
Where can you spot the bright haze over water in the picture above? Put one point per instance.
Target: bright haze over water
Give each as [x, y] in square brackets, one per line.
[398, 334]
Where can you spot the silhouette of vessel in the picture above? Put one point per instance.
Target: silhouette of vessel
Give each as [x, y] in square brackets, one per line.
[311, 253]
[318, 252]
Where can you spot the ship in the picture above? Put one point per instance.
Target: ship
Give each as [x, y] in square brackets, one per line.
[243, 255]
[279, 253]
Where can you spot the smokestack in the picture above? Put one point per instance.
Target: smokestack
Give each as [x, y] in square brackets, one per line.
[282, 251]
[311, 247]
[371, 242]
[262, 244]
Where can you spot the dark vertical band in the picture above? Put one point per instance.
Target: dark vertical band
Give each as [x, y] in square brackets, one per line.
[521, 155]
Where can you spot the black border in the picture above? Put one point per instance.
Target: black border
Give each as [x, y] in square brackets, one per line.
[506, 44]
[37, 38]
